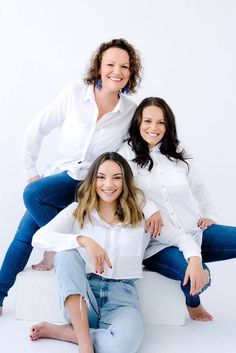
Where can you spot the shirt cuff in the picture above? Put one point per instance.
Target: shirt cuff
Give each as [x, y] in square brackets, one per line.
[149, 209]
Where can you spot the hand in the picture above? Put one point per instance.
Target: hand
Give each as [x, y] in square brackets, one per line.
[196, 274]
[205, 222]
[153, 224]
[96, 252]
[34, 178]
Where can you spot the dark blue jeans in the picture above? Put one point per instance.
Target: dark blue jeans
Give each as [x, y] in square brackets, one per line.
[218, 243]
[43, 199]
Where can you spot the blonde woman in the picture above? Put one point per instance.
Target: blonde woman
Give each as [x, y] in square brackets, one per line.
[101, 235]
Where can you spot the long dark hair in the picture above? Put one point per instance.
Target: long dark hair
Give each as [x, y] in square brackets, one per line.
[169, 144]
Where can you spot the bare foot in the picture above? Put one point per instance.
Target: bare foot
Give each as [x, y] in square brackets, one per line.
[1, 310]
[199, 313]
[47, 262]
[58, 332]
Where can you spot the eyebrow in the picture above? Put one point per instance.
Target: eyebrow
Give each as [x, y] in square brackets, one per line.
[112, 61]
[112, 175]
[147, 117]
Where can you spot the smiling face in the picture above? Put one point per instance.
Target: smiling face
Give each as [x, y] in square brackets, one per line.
[109, 183]
[153, 126]
[115, 69]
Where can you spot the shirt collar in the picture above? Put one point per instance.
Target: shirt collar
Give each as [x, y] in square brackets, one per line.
[89, 96]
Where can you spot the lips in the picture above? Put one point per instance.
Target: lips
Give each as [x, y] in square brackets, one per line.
[108, 191]
[152, 134]
[116, 79]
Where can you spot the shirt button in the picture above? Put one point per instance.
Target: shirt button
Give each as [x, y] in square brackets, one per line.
[163, 186]
[172, 213]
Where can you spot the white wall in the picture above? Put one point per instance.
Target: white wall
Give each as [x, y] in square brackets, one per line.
[188, 52]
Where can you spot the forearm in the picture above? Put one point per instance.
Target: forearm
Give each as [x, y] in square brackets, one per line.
[54, 241]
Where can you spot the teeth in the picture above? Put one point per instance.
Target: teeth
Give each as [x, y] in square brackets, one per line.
[115, 79]
[108, 191]
[152, 134]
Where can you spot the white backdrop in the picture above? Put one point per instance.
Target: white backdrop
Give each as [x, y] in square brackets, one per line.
[189, 56]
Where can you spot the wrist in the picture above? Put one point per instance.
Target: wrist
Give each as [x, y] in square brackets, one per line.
[81, 240]
[195, 259]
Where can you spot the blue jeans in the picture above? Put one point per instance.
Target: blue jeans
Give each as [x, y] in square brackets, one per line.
[43, 198]
[218, 243]
[114, 314]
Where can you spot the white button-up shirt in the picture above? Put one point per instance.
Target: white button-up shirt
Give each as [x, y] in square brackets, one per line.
[82, 137]
[180, 196]
[125, 246]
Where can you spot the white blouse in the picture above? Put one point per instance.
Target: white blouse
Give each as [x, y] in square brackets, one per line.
[180, 196]
[82, 138]
[125, 246]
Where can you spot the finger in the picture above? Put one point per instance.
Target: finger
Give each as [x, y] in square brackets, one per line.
[193, 287]
[198, 287]
[159, 228]
[155, 229]
[200, 221]
[108, 260]
[201, 224]
[186, 278]
[146, 226]
[151, 228]
[98, 265]
[102, 260]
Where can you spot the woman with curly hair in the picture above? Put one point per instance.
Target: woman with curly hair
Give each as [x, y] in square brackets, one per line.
[87, 116]
[101, 235]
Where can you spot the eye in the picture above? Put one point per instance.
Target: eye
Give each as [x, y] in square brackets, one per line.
[110, 65]
[148, 121]
[100, 177]
[125, 67]
[118, 178]
[161, 123]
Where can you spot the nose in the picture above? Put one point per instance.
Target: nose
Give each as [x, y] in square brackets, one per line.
[154, 126]
[108, 183]
[116, 69]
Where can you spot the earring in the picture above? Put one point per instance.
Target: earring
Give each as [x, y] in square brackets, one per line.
[99, 84]
[126, 88]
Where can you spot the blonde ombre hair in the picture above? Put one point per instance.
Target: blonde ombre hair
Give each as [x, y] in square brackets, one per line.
[129, 207]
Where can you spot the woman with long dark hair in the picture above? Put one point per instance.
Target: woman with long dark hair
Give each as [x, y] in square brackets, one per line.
[190, 236]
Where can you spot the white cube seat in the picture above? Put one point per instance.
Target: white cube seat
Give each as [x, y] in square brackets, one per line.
[161, 299]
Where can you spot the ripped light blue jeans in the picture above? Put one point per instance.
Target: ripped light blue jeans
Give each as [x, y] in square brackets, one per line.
[115, 321]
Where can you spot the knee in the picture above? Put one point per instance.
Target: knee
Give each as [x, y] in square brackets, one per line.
[67, 260]
[129, 337]
[30, 193]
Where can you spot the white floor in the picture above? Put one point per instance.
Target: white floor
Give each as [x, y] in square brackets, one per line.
[194, 337]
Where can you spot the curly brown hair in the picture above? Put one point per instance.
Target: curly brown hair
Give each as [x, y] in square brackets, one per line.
[93, 75]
